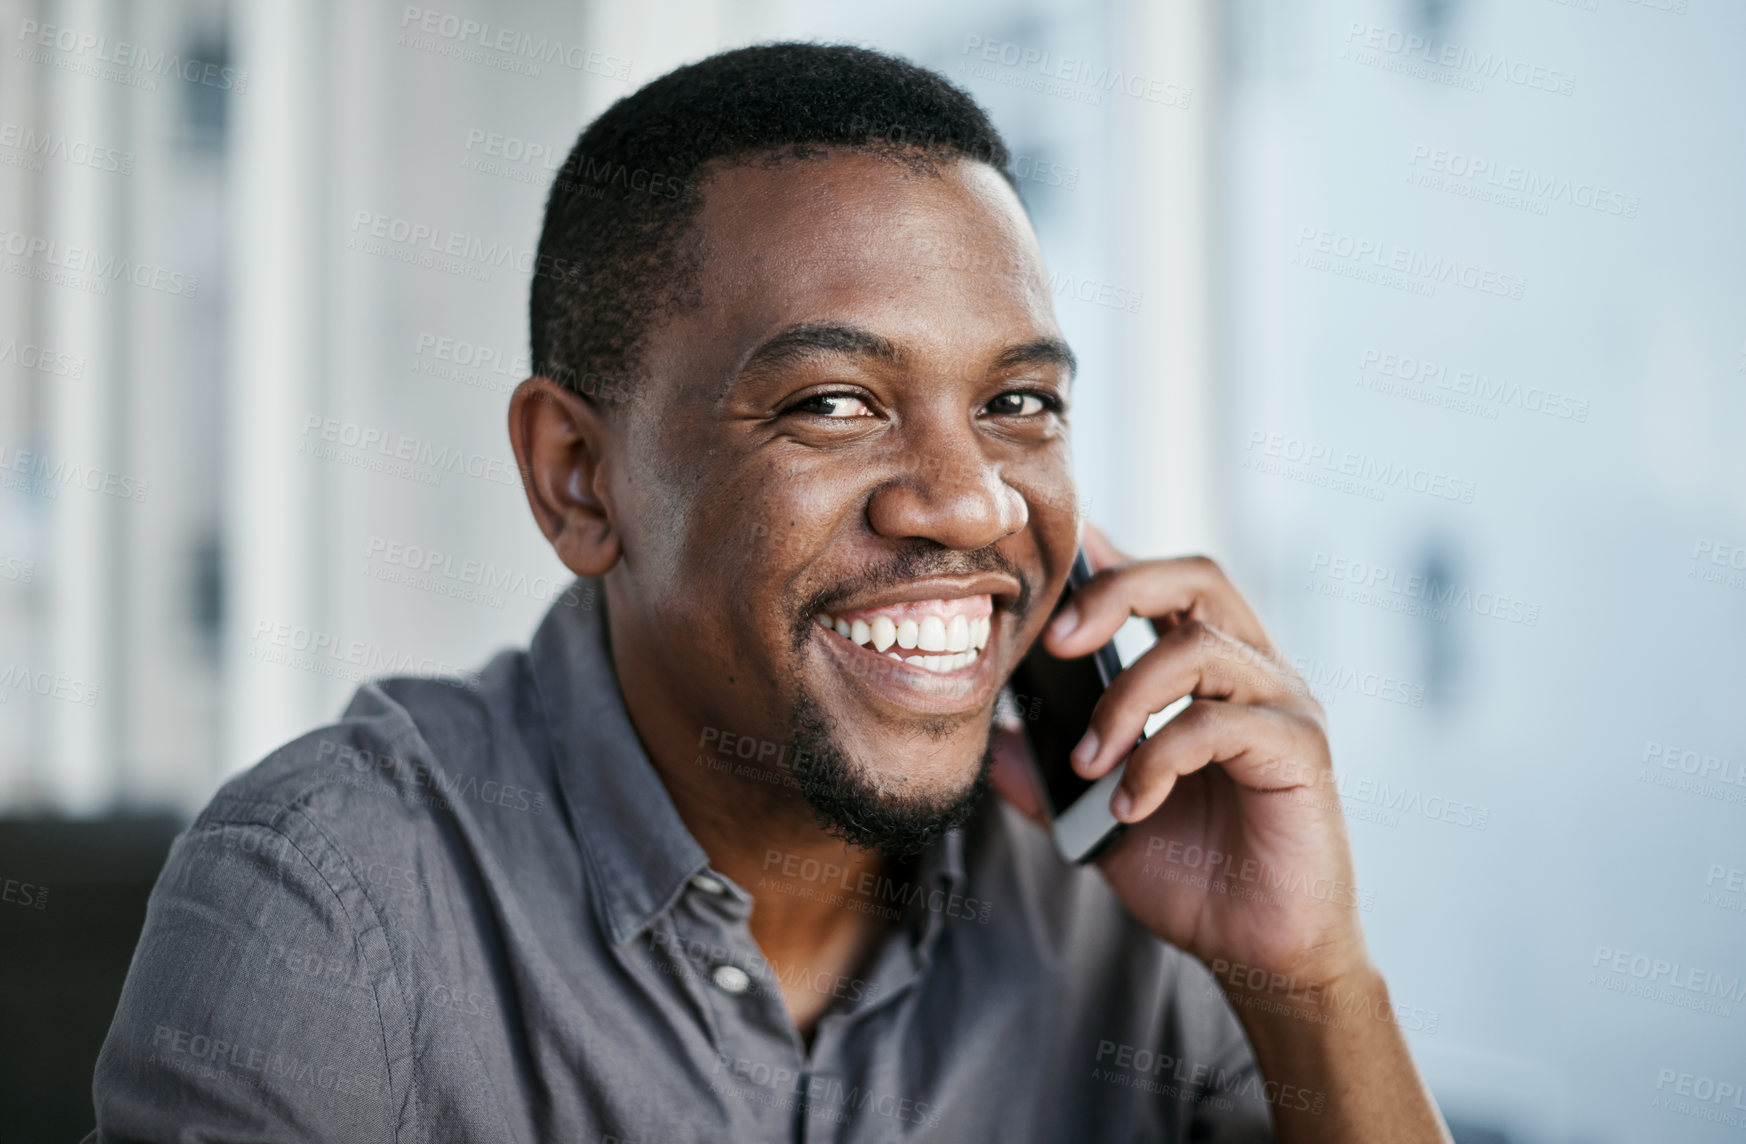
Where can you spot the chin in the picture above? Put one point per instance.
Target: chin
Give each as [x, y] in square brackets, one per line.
[892, 806]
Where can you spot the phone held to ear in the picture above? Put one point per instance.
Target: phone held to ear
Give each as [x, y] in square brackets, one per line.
[1055, 698]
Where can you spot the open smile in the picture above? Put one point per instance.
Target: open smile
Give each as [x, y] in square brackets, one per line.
[944, 636]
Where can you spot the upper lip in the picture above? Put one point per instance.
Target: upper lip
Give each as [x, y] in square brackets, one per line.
[1004, 588]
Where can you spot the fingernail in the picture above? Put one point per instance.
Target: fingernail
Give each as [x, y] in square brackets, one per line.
[1121, 803]
[1064, 622]
[1085, 751]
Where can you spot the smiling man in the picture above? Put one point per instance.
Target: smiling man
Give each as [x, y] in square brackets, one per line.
[716, 858]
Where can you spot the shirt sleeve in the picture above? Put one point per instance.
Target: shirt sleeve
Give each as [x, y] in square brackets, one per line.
[1228, 1100]
[260, 1001]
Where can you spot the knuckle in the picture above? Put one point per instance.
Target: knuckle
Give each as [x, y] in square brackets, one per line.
[1198, 716]
[1205, 564]
[1191, 632]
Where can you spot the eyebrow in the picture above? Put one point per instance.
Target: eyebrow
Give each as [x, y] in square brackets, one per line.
[810, 339]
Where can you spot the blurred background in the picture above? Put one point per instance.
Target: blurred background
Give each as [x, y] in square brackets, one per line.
[1427, 318]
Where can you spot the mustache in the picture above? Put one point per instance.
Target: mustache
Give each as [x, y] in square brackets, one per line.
[922, 559]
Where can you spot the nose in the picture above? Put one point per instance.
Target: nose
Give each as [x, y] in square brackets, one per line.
[950, 494]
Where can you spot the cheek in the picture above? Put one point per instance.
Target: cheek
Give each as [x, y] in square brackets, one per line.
[1052, 499]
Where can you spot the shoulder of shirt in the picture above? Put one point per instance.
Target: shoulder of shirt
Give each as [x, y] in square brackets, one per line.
[404, 746]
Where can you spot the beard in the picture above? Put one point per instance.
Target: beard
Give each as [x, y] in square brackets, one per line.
[848, 804]
[845, 798]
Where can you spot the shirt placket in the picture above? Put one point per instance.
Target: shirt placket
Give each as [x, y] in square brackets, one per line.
[760, 1062]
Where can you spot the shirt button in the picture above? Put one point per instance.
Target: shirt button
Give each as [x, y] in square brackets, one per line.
[709, 885]
[731, 979]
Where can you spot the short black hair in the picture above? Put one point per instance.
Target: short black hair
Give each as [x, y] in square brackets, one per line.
[616, 250]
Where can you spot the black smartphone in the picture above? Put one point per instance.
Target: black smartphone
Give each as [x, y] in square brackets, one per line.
[1055, 699]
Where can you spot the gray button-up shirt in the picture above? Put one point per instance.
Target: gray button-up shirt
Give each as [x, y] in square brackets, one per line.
[470, 912]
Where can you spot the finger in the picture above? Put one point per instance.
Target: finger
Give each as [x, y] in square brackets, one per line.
[1262, 748]
[1190, 659]
[1189, 587]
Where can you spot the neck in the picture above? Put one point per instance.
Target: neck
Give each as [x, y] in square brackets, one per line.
[749, 817]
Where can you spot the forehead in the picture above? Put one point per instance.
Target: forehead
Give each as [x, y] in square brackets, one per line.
[943, 261]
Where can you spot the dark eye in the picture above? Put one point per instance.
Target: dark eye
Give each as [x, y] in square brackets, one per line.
[1020, 403]
[834, 405]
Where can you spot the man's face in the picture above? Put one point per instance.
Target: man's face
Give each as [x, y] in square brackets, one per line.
[860, 426]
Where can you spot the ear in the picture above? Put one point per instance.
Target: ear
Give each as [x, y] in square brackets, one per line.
[560, 440]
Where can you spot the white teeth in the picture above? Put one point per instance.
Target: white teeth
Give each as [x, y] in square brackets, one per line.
[961, 639]
[940, 664]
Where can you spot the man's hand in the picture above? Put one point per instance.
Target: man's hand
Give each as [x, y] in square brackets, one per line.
[1245, 862]
[1237, 849]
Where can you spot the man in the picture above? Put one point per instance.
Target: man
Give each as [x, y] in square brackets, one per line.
[711, 861]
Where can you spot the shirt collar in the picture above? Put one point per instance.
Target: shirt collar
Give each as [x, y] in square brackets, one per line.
[637, 847]
[639, 850]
